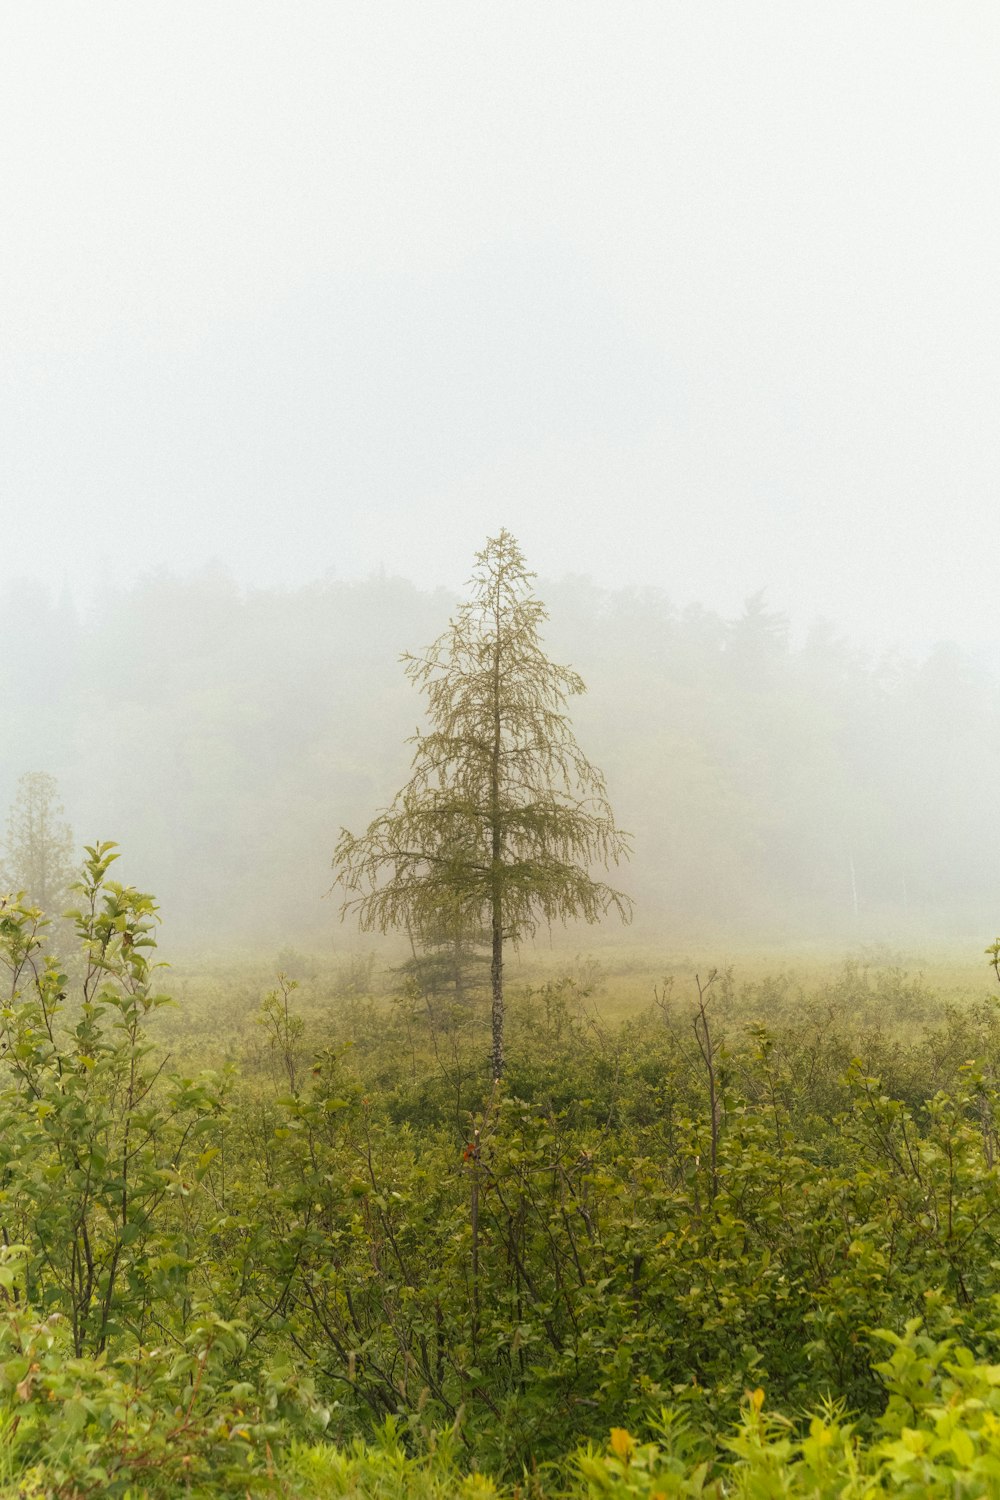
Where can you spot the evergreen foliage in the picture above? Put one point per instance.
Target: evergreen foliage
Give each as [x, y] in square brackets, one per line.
[503, 814]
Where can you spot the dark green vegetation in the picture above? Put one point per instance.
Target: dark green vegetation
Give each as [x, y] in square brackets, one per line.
[665, 1230]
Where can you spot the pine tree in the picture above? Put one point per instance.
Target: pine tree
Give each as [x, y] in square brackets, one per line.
[38, 851]
[503, 815]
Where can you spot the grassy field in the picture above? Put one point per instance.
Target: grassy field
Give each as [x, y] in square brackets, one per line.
[217, 996]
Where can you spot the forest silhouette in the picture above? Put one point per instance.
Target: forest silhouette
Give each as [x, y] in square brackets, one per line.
[780, 785]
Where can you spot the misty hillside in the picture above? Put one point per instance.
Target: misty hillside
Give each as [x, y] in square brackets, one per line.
[223, 736]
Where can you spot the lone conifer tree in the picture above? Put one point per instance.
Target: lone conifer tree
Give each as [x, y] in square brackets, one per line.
[503, 814]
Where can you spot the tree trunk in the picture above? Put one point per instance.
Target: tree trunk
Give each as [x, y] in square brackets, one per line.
[496, 840]
[496, 984]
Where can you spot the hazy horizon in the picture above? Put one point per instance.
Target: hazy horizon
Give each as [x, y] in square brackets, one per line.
[84, 603]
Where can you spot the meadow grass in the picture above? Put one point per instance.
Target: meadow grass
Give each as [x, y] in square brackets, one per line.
[862, 986]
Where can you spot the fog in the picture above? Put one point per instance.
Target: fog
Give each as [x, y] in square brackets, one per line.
[300, 303]
[694, 295]
[776, 792]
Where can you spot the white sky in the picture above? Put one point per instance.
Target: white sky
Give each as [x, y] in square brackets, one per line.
[697, 294]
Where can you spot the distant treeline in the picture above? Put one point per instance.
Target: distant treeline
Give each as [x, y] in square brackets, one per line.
[774, 790]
